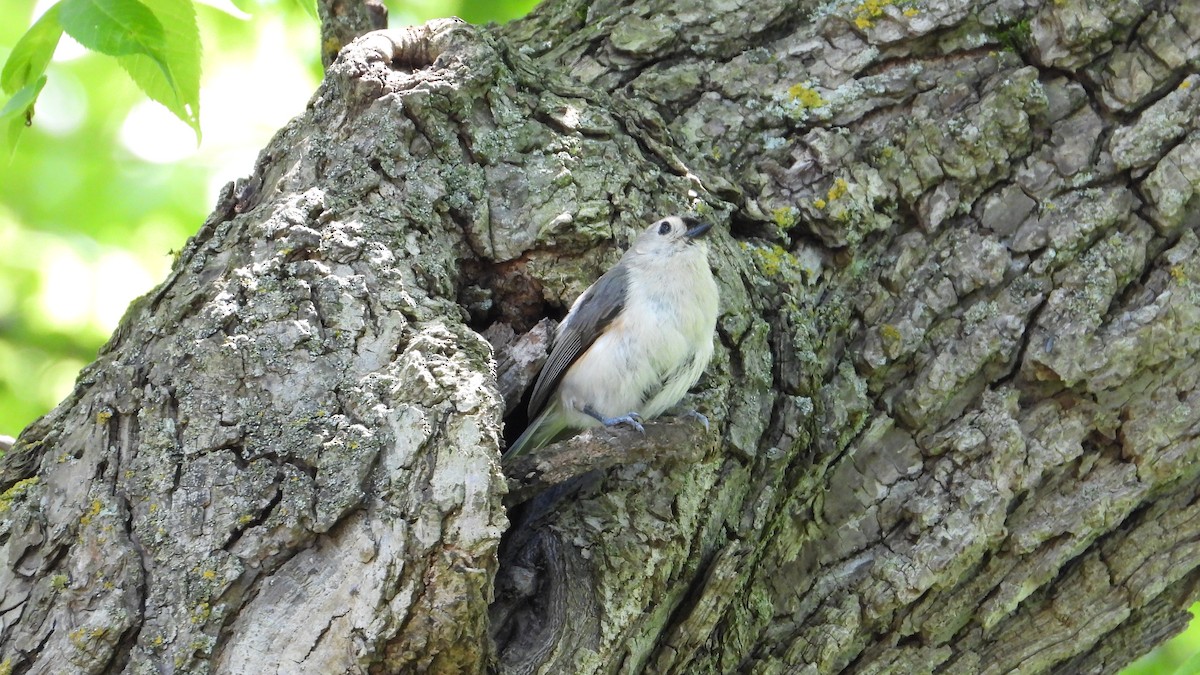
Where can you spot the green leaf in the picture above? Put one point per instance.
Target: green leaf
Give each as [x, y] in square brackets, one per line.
[239, 9]
[30, 56]
[178, 86]
[120, 28]
[113, 27]
[18, 114]
[310, 8]
[21, 102]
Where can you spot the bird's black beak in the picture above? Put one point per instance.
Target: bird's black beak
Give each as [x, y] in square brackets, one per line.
[697, 229]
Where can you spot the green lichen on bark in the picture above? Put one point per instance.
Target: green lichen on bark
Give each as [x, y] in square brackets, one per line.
[953, 397]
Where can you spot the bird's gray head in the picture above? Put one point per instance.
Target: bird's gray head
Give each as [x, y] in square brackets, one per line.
[672, 235]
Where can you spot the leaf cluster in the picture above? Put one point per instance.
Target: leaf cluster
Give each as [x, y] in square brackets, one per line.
[157, 42]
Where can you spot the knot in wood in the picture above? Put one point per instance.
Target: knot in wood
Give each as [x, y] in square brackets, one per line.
[412, 48]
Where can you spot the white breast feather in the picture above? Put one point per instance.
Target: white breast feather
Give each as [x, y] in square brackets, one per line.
[667, 323]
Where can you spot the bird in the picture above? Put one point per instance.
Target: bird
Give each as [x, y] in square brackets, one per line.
[633, 343]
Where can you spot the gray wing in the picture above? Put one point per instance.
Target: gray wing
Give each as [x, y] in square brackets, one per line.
[595, 309]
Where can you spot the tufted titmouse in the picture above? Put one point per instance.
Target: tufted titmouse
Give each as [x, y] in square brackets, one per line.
[634, 342]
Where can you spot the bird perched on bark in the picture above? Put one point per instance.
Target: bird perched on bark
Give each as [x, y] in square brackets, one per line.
[634, 342]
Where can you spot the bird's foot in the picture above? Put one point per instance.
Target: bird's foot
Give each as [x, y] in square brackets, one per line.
[698, 416]
[632, 419]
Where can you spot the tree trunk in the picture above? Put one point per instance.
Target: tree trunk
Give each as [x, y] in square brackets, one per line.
[954, 401]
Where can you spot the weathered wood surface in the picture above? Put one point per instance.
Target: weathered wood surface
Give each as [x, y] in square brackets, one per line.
[954, 400]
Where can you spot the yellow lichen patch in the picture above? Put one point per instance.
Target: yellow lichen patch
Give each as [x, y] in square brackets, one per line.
[209, 574]
[839, 189]
[819, 203]
[891, 339]
[201, 613]
[806, 96]
[82, 637]
[103, 416]
[15, 492]
[6, 667]
[866, 12]
[200, 644]
[1186, 84]
[784, 216]
[58, 582]
[97, 506]
[772, 259]
[1178, 273]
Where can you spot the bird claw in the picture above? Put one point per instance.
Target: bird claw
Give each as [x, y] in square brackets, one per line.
[696, 414]
[632, 419]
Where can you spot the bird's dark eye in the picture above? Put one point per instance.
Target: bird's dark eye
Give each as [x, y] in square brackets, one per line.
[664, 227]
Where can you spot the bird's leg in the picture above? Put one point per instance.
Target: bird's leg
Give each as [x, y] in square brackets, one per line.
[632, 419]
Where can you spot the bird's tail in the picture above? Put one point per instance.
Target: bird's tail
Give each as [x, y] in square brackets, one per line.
[541, 431]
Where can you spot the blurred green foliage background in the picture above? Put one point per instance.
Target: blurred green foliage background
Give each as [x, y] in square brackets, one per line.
[107, 185]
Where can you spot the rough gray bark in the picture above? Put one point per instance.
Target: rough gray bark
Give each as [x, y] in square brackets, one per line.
[344, 20]
[954, 401]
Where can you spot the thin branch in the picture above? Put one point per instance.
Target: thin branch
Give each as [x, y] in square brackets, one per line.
[344, 20]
